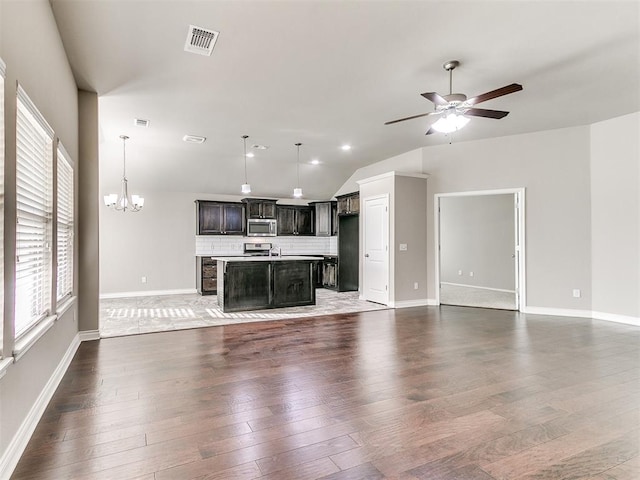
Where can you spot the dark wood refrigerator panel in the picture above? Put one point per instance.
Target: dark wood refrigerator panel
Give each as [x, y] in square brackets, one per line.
[348, 253]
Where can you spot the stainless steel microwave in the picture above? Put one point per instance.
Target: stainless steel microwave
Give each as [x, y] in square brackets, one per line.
[261, 227]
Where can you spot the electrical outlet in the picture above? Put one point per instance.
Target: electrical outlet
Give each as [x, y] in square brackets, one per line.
[403, 247]
[576, 293]
[459, 272]
[471, 274]
[415, 285]
[143, 279]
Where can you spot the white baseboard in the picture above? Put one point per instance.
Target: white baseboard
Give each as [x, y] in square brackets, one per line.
[558, 312]
[420, 302]
[478, 287]
[614, 317]
[147, 293]
[88, 335]
[19, 442]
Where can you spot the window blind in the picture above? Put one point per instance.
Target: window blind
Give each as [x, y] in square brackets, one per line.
[65, 225]
[34, 164]
[2, 76]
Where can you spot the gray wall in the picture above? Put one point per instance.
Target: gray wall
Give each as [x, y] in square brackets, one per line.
[553, 167]
[41, 67]
[477, 235]
[615, 215]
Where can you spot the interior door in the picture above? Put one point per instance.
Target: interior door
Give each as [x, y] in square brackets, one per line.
[376, 249]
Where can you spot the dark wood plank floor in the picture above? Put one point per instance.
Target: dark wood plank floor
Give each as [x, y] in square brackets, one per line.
[417, 393]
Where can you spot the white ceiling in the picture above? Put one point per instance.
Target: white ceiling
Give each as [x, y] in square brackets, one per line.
[325, 73]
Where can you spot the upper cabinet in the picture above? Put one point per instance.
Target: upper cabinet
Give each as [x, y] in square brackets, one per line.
[295, 220]
[349, 204]
[260, 207]
[220, 218]
[326, 218]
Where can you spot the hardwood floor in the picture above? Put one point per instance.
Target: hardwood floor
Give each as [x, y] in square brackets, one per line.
[417, 393]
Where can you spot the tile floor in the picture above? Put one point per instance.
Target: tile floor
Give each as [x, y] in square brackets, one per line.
[130, 316]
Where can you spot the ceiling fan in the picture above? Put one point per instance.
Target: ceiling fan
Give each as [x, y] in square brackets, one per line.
[452, 111]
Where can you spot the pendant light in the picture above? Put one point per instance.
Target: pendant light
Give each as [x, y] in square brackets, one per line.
[246, 188]
[297, 192]
[123, 201]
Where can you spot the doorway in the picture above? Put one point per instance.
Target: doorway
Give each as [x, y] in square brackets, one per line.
[480, 249]
[375, 270]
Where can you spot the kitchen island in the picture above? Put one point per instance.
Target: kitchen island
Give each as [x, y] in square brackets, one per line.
[256, 283]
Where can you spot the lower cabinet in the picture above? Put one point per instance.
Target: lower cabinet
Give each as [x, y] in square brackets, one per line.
[206, 276]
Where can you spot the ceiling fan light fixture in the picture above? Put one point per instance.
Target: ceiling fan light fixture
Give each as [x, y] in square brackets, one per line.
[450, 122]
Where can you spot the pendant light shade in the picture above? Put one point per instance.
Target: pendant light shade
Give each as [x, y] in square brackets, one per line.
[246, 188]
[297, 192]
[123, 202]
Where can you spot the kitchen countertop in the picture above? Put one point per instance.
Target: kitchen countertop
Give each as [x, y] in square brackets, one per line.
[266, 258]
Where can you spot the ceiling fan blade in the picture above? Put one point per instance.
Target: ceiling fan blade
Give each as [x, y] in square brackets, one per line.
[408, 118]
[483, 112]
[435, 98]
[514, 87]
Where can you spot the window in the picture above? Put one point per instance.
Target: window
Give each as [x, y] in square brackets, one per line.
[65, 226]
[34, 145]
[2, 74]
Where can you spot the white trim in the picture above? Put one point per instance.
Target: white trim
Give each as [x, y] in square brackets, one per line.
[519, 194]
[89, 335]
[614, 317]
[14, 451]
[4, 365]
[65, 305]
[557, 312]
[479, 288]
[147, 293]
[393, 173]
[421, 302]
[25, 342]
[363, 245]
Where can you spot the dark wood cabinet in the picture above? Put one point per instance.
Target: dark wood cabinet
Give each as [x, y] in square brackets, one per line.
[295, 220]
[206, 276]
[349, 204]
[326, 218]
[260, 207]
[293, 283]
[220, 218]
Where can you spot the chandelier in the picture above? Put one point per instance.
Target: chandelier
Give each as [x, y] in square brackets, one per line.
[123, 201]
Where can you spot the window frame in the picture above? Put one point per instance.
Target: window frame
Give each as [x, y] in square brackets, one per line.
[65, 223]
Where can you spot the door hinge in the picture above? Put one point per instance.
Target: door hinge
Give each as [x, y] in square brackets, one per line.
[385, 288]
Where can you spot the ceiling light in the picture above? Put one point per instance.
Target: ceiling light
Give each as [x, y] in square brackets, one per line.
[315, 161]
[251, 155]
[450, 122]
[193, 139]
[297, 192]
[246, 188]
[123, 201]
[346, 147]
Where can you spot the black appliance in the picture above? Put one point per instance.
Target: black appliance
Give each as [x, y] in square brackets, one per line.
[348, 252]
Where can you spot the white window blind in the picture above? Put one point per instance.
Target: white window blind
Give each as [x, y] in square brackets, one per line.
[65, 225]
[2, 76]
[34, 163]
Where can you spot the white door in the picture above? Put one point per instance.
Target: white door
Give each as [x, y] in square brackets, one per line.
[376, 249]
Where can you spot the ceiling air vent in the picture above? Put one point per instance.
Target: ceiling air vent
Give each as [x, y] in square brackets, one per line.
[193, 139]
[200, 40]
[139, 122]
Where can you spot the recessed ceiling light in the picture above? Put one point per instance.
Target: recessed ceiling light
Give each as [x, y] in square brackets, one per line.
[315, 161]
[250, 155]
[260, 147]
[193, 139]
[346, 147]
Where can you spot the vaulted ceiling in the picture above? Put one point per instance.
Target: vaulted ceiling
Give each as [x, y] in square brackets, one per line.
[328, 73]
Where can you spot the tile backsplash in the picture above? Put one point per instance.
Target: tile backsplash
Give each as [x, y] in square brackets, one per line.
[223, 245]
